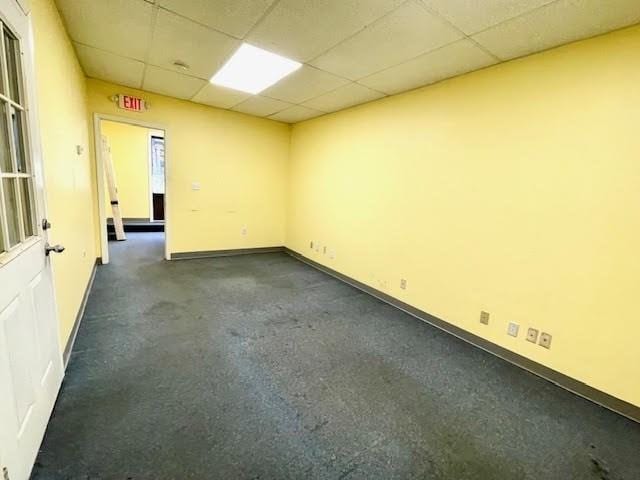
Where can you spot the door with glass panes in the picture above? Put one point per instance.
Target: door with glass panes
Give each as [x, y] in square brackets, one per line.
[30, 359]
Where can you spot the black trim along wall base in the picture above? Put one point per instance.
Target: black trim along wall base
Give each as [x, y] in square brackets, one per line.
[579, 388]
[76, 324]
[224, 253]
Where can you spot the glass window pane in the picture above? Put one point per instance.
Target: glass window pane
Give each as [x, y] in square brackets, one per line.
[18, 139]
[2, 247]
[11, 206]
[27, 206]
[5, 155]
[11, 57]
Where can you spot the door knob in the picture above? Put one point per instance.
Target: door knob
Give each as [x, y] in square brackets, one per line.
[45, 224]
[56, 248]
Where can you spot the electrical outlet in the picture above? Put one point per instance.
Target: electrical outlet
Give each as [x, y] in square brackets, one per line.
[513, 329]
[532, 335]
[403, 284]
[484, 318]
[324, 250]
[545, 340]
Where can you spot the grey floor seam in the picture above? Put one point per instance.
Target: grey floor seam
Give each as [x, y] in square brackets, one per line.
[261, 367]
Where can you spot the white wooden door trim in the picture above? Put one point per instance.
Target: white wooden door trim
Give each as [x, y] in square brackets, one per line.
[100, 178]
[150, 162]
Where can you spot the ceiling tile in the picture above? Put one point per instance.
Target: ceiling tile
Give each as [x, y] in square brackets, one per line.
[101, 24]
[261, 106]
[303, 29]
[343, 97]
[556, 24]
[217, 96]
[454, 59]
[295, 114]
[305, 83]
[174, 84]
[400, 36]
[234, 17]
[471, 17]
[202, 49]
[108, 66]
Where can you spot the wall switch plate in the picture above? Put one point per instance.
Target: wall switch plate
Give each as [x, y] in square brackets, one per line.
[484, 318]
[532, 335]
[545, 340]
[243, 231]
[403, 284]
[513, 329]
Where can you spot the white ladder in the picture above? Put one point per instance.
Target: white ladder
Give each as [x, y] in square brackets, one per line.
[113, 189]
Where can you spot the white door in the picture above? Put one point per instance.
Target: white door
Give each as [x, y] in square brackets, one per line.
[30, 361]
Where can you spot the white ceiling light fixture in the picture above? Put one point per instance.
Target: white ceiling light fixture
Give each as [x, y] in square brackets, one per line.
[252, 69]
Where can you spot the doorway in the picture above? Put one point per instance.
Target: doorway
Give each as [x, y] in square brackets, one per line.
[156, 162]
[132, 190]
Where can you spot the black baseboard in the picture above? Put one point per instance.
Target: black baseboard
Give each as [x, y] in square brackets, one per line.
[131, 224]
[575, 386]
[224, 253]
[76, 324]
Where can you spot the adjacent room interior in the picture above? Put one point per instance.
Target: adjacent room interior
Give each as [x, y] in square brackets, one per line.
[292, 239]
[133, 166]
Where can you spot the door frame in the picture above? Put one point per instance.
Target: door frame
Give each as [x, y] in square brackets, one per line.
[100, 178]
[151, 135]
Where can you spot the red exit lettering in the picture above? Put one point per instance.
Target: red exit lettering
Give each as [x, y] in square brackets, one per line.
[128, 102]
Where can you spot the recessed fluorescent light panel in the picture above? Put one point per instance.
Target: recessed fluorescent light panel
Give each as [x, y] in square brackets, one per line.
[252, 69]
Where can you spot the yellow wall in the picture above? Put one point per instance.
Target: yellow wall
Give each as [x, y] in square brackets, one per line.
[240, 162]
[513, 190]
[70, 179]
[130, 153]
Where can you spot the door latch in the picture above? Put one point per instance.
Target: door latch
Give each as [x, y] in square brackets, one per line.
[55, 248]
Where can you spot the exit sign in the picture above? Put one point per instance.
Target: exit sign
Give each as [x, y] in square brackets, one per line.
[135, 104]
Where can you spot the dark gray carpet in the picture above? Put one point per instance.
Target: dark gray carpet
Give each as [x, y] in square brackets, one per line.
[260, 367]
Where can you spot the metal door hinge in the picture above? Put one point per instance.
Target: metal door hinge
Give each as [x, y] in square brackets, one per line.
[5, 473]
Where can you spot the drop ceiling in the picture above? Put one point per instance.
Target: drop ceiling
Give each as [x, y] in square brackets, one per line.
[353, 51]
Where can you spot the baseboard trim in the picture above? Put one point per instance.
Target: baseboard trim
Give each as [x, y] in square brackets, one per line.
[224, 253]
[131, 219]
[581, 389]
[76, 325]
